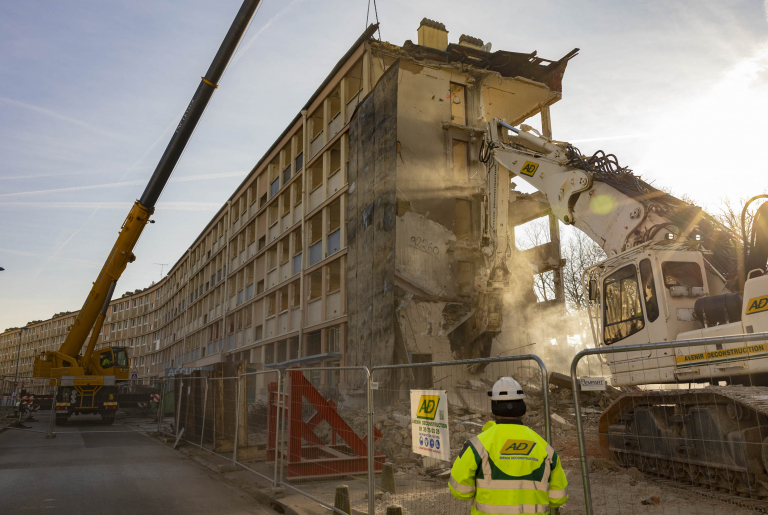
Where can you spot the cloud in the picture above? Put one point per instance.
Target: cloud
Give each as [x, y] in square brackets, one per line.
[57, 259]
[54, 114]
[188, 178]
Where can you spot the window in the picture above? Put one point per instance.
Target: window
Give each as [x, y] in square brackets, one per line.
[269, 353]
[282, 349]
[460, 161]
[315, 284]
[294, 347]
[334, 276]
[271, 305]
[463, 218]
[623, 314]
[274, 187]
[314, 343]
[296, 297]
[458, 104]
[333, 338]
[681, 273]
[649, 290]
[284, 299]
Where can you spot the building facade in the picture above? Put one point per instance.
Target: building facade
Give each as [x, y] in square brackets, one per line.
[369, 233]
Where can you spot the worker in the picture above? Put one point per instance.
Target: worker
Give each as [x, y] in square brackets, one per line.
[508, 468]
[105, 361]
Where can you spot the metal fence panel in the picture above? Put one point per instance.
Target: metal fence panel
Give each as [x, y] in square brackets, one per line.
[689, 447]
[262, 412]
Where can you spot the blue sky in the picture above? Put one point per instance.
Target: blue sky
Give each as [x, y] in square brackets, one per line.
[90, 90]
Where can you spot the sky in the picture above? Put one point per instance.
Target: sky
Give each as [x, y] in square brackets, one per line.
[90, 92]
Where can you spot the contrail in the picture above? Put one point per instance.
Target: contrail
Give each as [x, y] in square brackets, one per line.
[54, 114]
[64, 244]
[244, 48]
[187, 178]
[165, 206]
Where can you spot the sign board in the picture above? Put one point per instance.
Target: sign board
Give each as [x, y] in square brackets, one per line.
[429, 424]
[592, 384]
[134, 376]
[183, 371]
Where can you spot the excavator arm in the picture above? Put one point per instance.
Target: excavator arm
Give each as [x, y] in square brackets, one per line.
[611, 205]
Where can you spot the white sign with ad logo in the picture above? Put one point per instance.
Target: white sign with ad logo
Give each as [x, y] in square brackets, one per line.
[429, 424]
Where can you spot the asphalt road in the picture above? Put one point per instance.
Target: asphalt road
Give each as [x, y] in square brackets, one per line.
[109, 472]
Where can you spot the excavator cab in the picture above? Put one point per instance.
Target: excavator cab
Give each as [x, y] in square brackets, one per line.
[647, 294]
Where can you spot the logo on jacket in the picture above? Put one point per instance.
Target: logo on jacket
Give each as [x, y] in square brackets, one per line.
[517, 448]
[428, 407]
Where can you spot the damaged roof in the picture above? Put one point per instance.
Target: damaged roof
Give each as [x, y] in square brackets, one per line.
[508, 64]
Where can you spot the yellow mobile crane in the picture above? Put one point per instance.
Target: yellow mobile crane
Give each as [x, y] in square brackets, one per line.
[87, 382]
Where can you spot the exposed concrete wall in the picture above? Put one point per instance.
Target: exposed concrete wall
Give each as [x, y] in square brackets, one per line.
[371, 211]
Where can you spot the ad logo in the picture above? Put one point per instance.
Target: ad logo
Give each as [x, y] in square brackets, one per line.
[757, 305]
[428, 407]
[517, 448]
[529, 168]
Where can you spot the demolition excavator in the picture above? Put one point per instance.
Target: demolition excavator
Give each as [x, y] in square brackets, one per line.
[87, 382]
[672, 273]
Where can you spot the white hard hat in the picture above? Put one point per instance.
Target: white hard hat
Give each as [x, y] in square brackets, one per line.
[506, 389]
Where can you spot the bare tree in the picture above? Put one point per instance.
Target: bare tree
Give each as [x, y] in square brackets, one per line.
[533, 234]
[580, 253]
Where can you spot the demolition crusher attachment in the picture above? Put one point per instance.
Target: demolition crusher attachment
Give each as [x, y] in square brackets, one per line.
[307, 454]
[715, 438]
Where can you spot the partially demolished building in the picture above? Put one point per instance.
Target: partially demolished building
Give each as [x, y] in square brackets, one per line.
[369, 233]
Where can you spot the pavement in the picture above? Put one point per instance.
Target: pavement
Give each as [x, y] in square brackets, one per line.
[90, 469]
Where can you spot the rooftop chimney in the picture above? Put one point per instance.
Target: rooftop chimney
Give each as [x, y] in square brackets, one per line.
[471, 42]
[432, 34]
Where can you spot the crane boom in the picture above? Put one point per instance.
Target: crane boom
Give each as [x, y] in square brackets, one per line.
[122, 252]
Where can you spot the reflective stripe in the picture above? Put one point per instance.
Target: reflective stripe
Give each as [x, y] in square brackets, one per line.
[511, 509]
[512, 484]
[462, 489]
[556, 494]
[481, 450]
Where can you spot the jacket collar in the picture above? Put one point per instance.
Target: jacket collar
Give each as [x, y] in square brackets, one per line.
[509, 421]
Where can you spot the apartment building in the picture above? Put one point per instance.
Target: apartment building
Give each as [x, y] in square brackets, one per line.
[369, 233]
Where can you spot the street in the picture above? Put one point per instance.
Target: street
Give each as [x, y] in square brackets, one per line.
[109, 472]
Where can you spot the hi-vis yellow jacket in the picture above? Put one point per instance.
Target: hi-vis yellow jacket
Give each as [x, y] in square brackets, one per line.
[508, 469]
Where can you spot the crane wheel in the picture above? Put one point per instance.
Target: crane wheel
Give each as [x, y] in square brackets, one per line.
[108, 420]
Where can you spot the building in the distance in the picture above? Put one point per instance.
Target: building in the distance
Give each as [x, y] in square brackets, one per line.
[365, 235]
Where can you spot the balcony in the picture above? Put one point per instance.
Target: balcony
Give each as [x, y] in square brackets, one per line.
[272, 278]
[334, 182]
[274, 232]
[316, 253]
[316, 145]
[352, 104]
[333, 305]
[314, 312]
[316, 198]
[286, 222]
[335, 126]
[297, 213]
[334, 242]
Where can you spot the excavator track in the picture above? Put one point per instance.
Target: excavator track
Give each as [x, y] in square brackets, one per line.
[712, 441]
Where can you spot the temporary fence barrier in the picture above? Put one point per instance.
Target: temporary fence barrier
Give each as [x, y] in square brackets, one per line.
[428, 410]
[258, 442]
[693, 425]
[328, 433]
